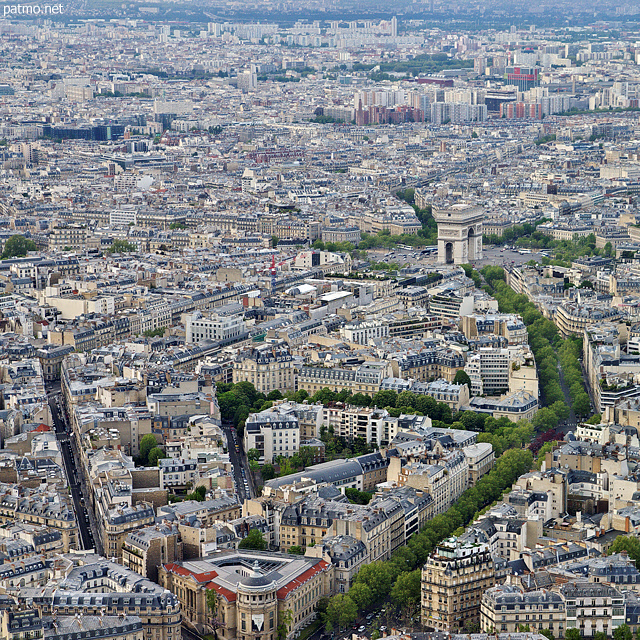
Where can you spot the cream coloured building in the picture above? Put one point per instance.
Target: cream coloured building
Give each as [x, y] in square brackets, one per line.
[454, 579]
[255, 590]
[268, 367]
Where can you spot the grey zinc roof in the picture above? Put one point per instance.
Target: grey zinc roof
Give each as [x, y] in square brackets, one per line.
[334, 471]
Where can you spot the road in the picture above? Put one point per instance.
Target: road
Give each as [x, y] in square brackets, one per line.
[241, 472]
[570, 423]
[72, 469]
[188, 634]
[494, 256]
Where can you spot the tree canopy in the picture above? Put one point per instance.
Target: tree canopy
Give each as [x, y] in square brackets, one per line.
[17, 246]
[157, 453]
[254, 540]
[462, 377]
[122, 246]
[147, 443]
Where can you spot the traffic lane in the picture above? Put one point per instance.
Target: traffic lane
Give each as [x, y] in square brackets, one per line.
[82, 516]
[494, 256]
[237, 462]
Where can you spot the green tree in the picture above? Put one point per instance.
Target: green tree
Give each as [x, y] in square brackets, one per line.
[122, 246]
[545, 419]
[377, 577]
[154, 333]
[199, 494]
[385, 398]
[154, 455]
[268, 472]
[358, 497]
[406, 590]
[361, 594]
[600, 635]
[622, 633]
[296, 550]
[360, 400]
[254, 540]
[284, 620]
[573, 634]
[547, 633]
[147, 443]
[274, 241]
[253, 454]
[630, 544]
[17, 246]
[582, 405]
[462, 377]
[341, 612]
[560, 409]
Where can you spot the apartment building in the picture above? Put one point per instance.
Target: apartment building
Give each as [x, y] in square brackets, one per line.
[346, 554]
[222, 507]
[520, 405]
[17, 625]
[43, 505]
[488, 370]
[145, 549]
[365, 378]
[593, 608]
[268, 367]
[450, 305]
[454, 579]
[70, 237]
[508, 325]
[176, 473]
[572, 318]
[507, 608]
[225, 325]
[445, 480]
[352, 422]
[90, 585]
[431, 363]
[363, 332]
[272, 433]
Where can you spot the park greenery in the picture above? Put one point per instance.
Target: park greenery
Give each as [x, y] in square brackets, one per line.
[17, 246]
[418, 65]
[514, 233]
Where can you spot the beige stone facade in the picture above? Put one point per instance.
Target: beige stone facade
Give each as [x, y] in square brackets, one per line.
[453, 580]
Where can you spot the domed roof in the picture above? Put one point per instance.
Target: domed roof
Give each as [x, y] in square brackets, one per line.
[256, 579]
